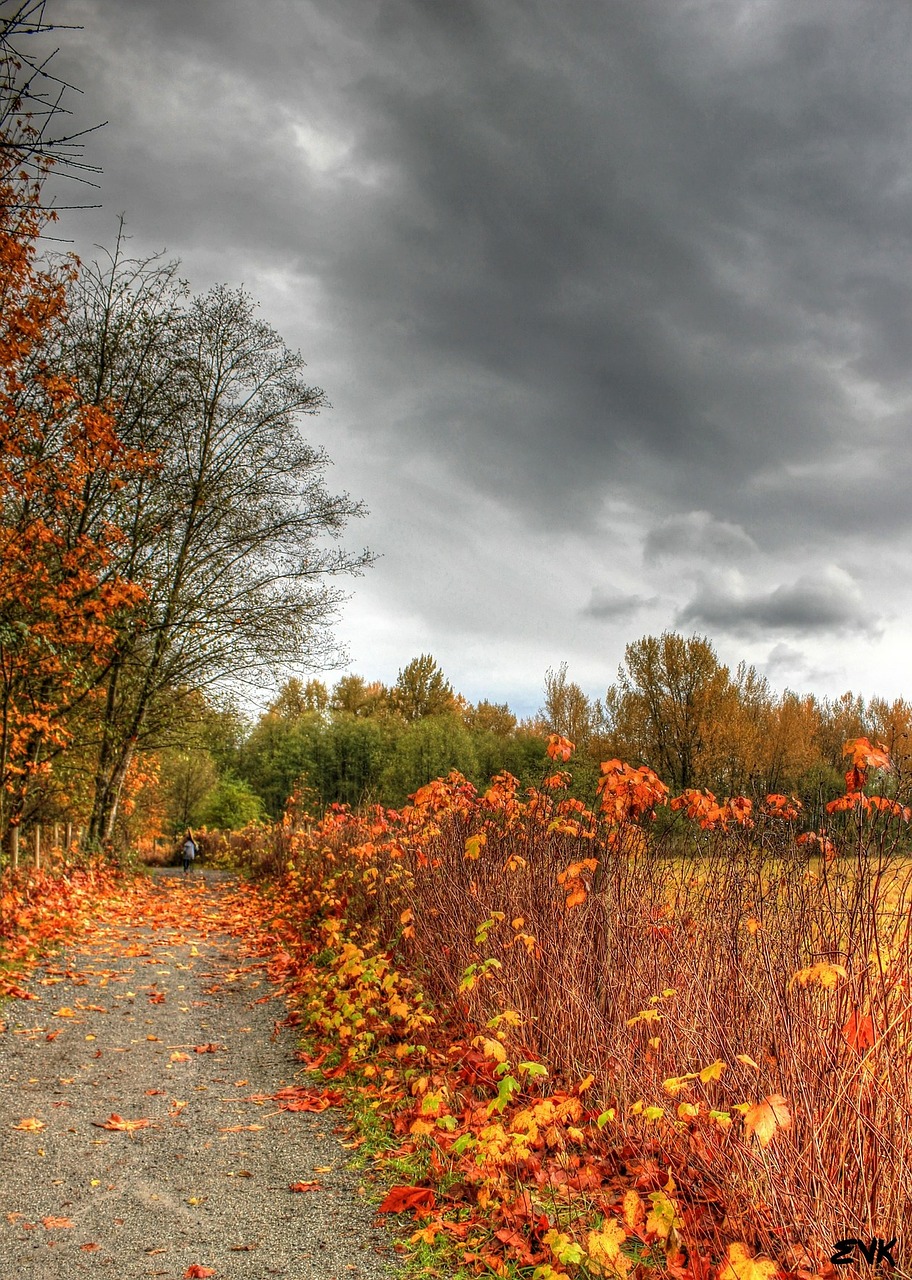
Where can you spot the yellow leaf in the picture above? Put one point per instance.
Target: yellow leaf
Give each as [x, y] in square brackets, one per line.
[604, 1249]
[491, 1048]
[713, 1071]
[632, 1207]
[739, 1265]
[747, 1060]
[766, 1118]
[474, 845]
[823, 974]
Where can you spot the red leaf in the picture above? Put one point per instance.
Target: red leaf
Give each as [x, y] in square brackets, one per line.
[401, 1199]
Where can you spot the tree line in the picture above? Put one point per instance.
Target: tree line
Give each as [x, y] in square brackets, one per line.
[674, 706]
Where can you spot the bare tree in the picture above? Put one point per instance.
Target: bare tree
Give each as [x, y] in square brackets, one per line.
[34, 140]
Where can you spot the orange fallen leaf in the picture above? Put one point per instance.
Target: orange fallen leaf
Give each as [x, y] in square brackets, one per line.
[52, 1035]
[65, 1012]
[121, 1125]
[196, 1272]
[206, 1048]
[89, 1247]
[401, 1199]
[56, 1224]
[180, 1057]
[31, 1124]
[303, 1186]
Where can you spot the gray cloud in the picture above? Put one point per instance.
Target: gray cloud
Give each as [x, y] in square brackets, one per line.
[697, 536]
[827, 603]
[610, 606]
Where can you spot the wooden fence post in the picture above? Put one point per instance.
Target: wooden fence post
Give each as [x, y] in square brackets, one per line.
[69, 835]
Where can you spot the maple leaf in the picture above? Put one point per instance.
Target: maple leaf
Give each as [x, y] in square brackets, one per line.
[401, 1199]
[766, 1118]
[31, 1124]
[120, 1125]
[859, 1031]
[304, 1186]
[739, 1265]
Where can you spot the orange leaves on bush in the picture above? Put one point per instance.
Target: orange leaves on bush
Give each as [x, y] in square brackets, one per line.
[766, 1118]
[629, 794]
[560, 748]
[818, 840]
[779, 806]
[859, 1031]
[571, 878]
[420, 1200]
[704, 808]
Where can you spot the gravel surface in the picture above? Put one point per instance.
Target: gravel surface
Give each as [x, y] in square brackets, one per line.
[115, 1032]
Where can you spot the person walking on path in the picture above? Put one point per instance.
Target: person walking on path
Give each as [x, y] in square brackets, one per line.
[189, 850]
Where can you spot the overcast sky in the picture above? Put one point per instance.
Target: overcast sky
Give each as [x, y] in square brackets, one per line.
[612, 300]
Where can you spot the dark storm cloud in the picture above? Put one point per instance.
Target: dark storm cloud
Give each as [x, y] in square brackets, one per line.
[557, 261]
[827, 604]
[636, 247]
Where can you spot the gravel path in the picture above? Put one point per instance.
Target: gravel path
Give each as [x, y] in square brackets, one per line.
[117, 1029]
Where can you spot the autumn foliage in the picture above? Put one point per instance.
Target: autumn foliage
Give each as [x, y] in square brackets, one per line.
[663, 1027]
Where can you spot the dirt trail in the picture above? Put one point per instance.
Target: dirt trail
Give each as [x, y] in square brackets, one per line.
[117, 1029]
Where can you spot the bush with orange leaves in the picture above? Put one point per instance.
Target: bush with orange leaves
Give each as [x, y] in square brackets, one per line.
[734, 992]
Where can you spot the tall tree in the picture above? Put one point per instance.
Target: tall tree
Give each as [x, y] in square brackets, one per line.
[422, 689]
[233, 537]
[669, 705]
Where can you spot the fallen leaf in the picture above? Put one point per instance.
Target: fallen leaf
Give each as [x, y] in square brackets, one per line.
[180, 1057]
[196, 1272]
[31, 1124]
[89, 1247]
[303, 1186]
[740, 1265]
[401, 1199]
[65, 1012]
[206, 1048]
[56, 1224]
[118, 1123]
